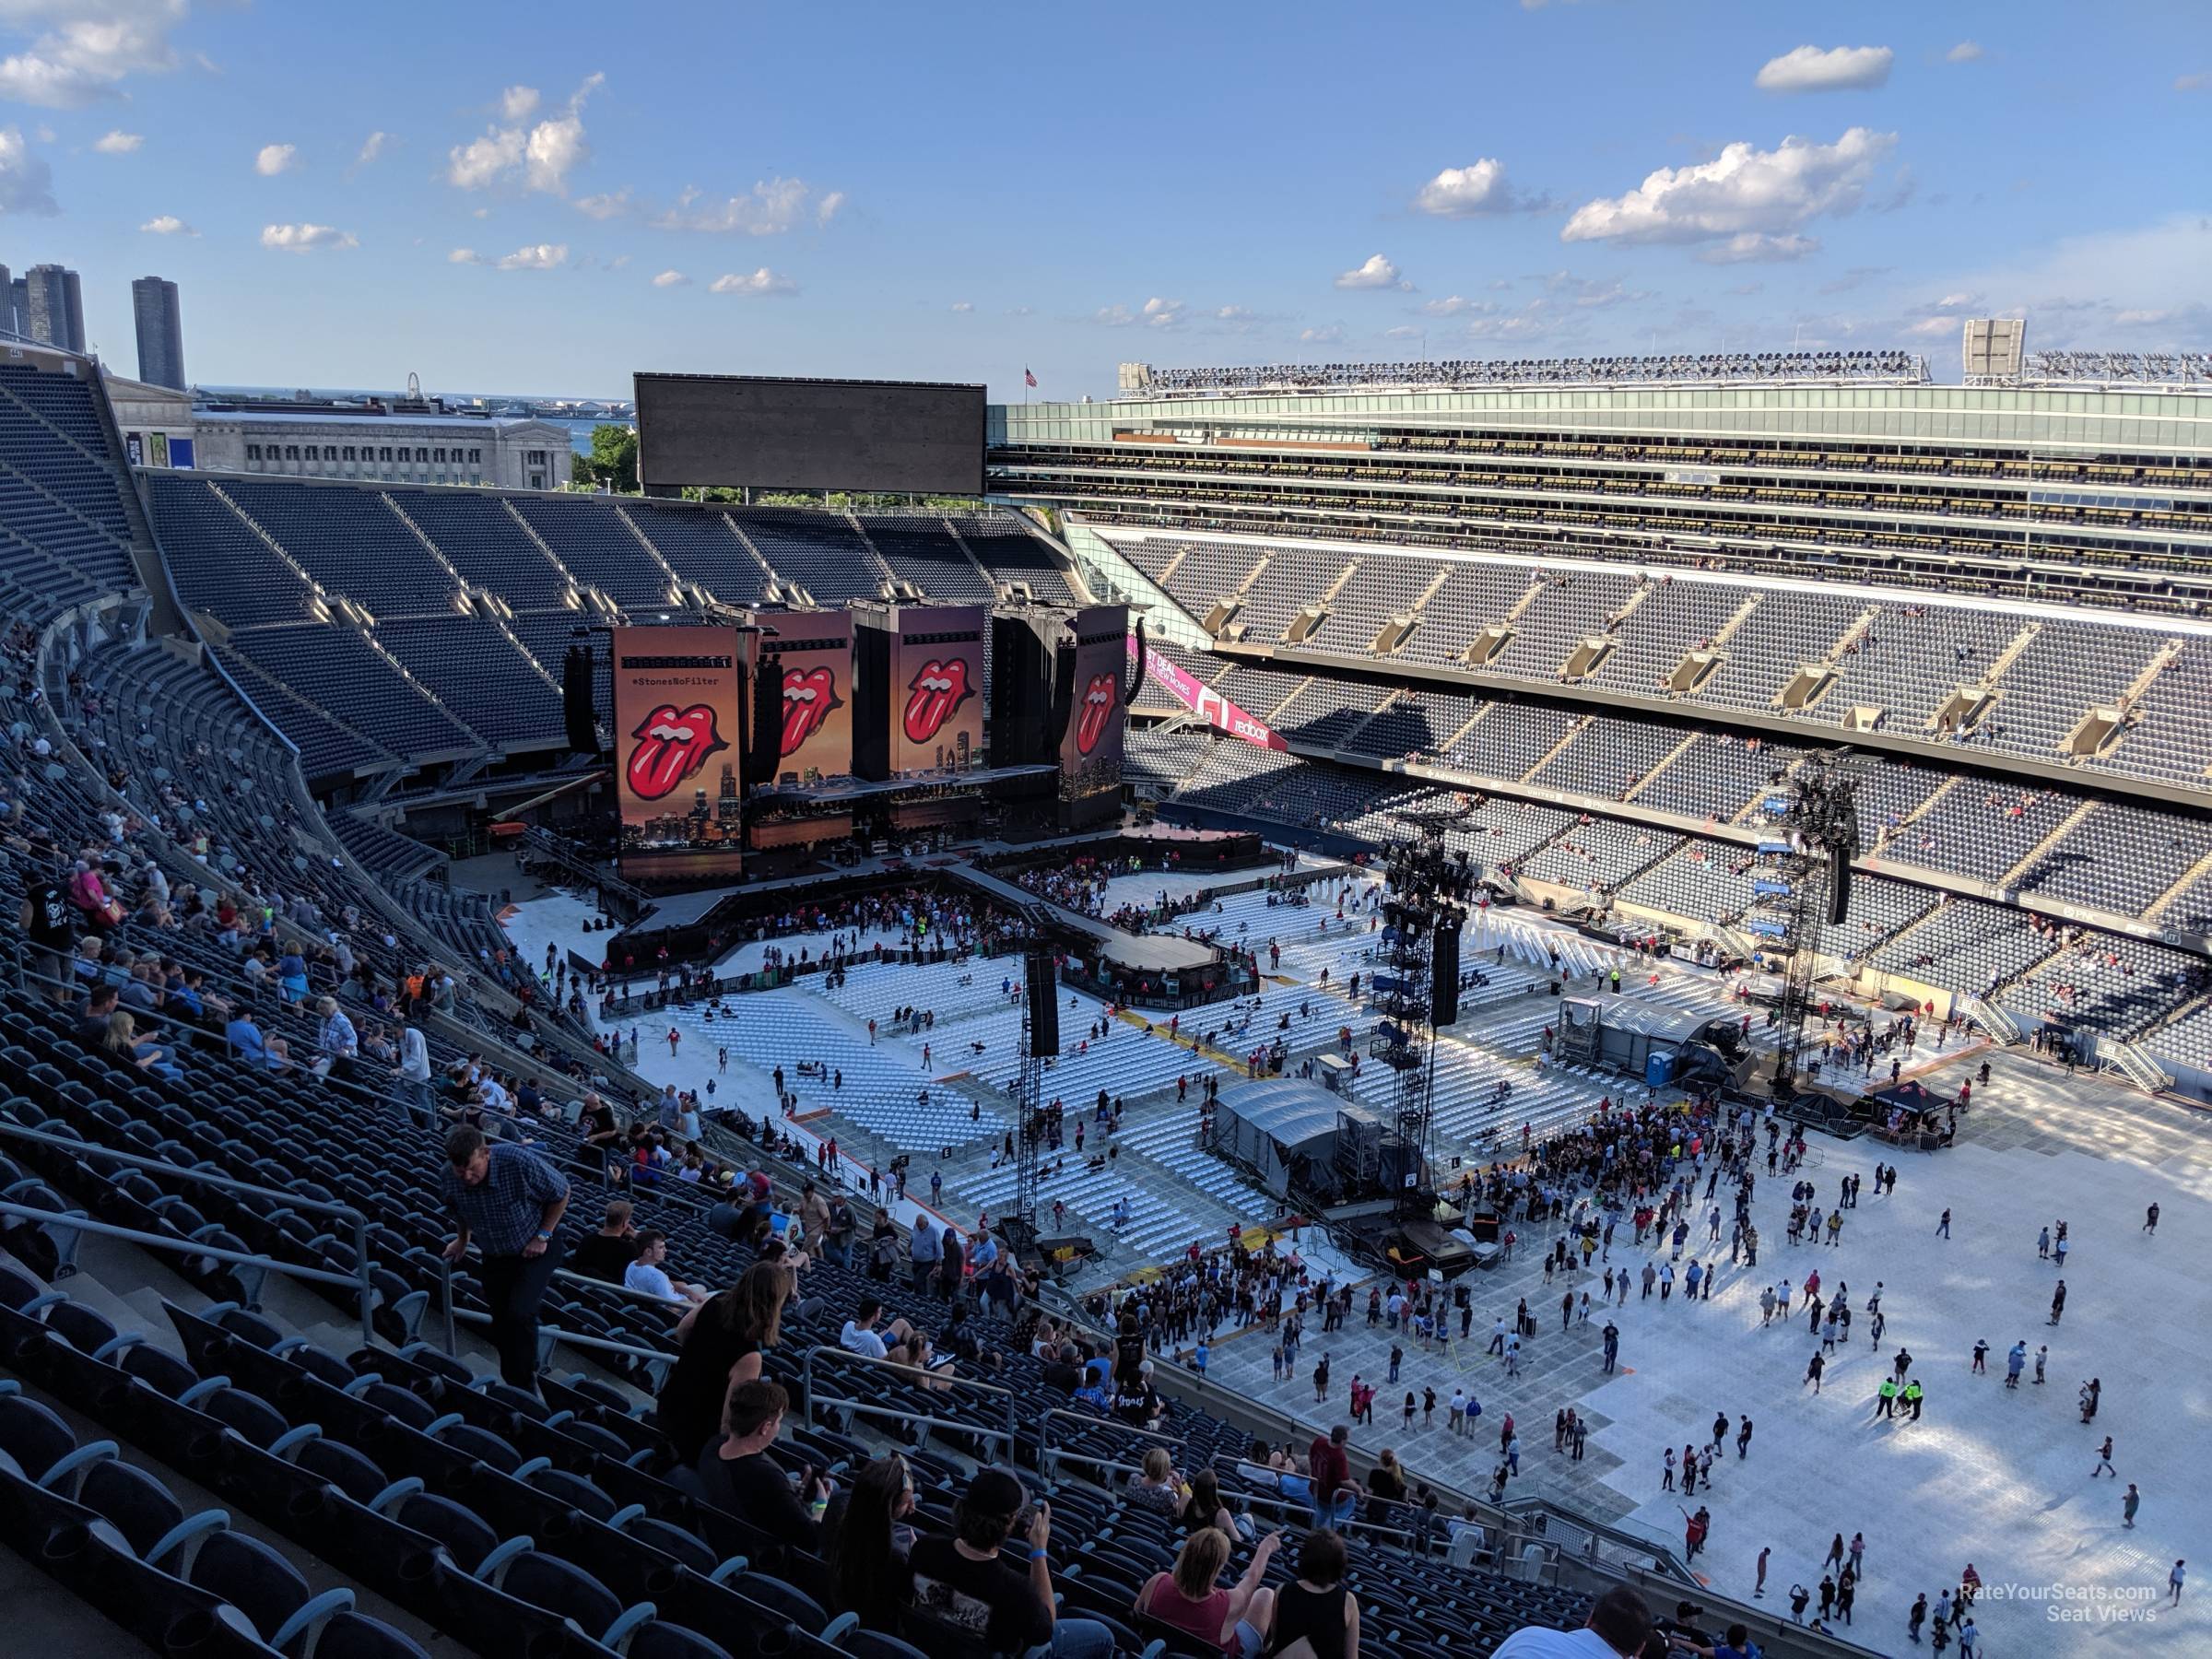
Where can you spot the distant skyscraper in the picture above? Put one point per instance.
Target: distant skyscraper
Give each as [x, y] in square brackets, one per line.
[19, 305]
[160, 332]
[56, 308]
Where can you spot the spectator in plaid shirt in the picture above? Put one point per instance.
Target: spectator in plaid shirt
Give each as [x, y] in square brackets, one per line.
[509, 1201]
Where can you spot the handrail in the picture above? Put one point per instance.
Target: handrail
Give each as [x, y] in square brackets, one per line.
[1010, 1434]
[78, 1149]
[76, 1220]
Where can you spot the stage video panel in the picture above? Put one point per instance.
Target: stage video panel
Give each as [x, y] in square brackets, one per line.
[1091, 745]
[936, 689]
[679, 712]
[887, 437]
[815, 650]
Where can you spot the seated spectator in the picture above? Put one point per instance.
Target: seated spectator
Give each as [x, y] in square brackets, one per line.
[1468, 1521]
[647, 1275]
[245, 1041]
[606, 1254]
[1191, 1599]
[93, 1011]
[1154, 1486]
[1000, 1607]
[723, 1340]
[1619, 1623]
[1063, 1372]
[1203, 1507]
[867, 1540]
[739, 1475]
[861, 1336]
[147, 1052]
[1315, 1615]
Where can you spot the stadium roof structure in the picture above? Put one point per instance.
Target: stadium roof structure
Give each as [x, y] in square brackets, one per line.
[2116, 370]
[1877, 368]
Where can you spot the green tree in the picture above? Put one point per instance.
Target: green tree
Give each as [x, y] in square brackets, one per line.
[613, 461]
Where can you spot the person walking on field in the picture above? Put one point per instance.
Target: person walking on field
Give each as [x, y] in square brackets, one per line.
[2104, 1460]
[2058, 1302]
[1812, 1371]
[2129, 1504]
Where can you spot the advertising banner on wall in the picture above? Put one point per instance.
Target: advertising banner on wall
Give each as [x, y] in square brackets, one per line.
[937, 690]
[1205, 703]
[1091, 745]
[815, 652]
[679, 719]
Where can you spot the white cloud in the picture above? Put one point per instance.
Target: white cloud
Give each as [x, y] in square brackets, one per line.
[1464, 192]
[371, 148]
[769, 208]
[537, 157]
[620, 261]
[306, 239]
[962, 307]
[1748, 246]
[1588, 292]
[86, 48]
[166, 224]
[273, 158]
[117, 142]
[26, 182]
[1810, 69]
[762, 281]
[2192, 83]
[1403, 331]
[1329, 333]
[1742, 189]
[1375, 272]
[1453, 305]
[464, 256]
[1933, 325]
[1952, 301]
[2073, 292]
[1155, 312]
[1966, 52]
[606, 205]
[672, 280]
[538, 256]
[1235, 314]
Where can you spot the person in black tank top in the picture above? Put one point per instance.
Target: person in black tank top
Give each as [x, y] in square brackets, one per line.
[1316, 1617]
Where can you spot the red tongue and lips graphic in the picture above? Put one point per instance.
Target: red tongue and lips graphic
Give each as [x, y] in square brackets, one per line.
[808, 699]
[934, 694]
[673, 744]
[1098, 709]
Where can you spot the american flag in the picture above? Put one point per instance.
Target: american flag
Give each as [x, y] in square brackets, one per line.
[1027, 378]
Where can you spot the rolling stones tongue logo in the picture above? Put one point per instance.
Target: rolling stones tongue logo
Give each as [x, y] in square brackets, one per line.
[1098, 709]
[672, 745]
[808, 699]
[935, 693]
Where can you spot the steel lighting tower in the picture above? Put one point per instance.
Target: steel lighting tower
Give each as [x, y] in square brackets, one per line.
[1428, 887]
[1040, 1046]
[1802, 883]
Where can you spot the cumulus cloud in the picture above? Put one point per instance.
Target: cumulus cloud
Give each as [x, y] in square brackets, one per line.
[1966, 52]
[1835, 69]
[1376, 272]
[166, 224]
[1328, 333]
[2075, 290]
[1453, 305]
[1155, 312]
[538, 256]
[85, 49]
[607, 204]
[672, 280]
[371, 148]
[26, 182]
[1747, 247]
[307, 239]
[1741, 189]
[536, 157]
[117, 142]
[273, 158]
[1403, 331]
[771, 207]
[464, 256]
[762, 281]
[1588, 292]
[1466, 192]
[962, 307]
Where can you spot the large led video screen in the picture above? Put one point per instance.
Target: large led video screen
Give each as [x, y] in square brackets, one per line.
[936, 689]
[1091, 747]
[883, 437]
[815, 650]
[679, 719]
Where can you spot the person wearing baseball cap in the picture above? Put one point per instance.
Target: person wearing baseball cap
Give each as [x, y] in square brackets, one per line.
[1618, 1628]
[967, 1582]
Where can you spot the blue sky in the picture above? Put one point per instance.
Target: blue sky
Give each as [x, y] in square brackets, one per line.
[545, 197]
